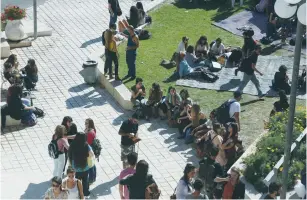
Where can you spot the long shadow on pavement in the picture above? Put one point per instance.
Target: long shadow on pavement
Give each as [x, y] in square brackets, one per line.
[103, 189]
[36, 191]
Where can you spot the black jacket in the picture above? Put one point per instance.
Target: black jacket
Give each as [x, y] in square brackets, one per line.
[239, 191]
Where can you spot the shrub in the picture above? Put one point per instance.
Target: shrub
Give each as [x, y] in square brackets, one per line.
[271, 148]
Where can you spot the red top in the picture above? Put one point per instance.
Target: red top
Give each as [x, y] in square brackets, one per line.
[91, 136]
[228, 191]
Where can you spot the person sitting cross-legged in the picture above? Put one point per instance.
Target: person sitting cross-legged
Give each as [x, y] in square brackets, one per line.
[191, 58]
[138, 91]
[31, 77]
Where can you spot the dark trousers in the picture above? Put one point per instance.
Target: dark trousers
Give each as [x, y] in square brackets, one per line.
[83, 176]
[130, 60]
[4, 113]
[110, 58]
[92, 174]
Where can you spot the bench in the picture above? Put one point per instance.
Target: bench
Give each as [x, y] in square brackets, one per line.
[9, 120]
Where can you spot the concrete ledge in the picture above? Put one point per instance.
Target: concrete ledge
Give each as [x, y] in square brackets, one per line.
[116, 88]
[10, 121]
[5, 48]
[20, 44]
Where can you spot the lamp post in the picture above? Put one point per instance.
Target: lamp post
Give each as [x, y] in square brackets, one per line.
[35, 18]
[286, 9]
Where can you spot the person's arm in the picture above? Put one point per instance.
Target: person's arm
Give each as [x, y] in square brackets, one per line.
[237, 118]
[121, 191]
[271, 17]
[70, 137]
[185, 128]
[65, 143]
[255, 69]
[219, 180]
[110, 8]
[135, 94]
[181, 118]
[181, 190]
[80, 188]
[122, 133]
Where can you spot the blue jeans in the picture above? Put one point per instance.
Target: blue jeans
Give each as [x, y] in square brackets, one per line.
[188, 137]
[130, 60]
[92, 174]
[113, 19]
[246, 79]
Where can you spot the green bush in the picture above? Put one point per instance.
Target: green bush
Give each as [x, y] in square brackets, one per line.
[271, 148]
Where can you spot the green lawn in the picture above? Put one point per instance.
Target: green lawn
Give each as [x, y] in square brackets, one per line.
[170, 24]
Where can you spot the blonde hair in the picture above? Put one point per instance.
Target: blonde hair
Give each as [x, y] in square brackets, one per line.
[60, 131]
[196, 109]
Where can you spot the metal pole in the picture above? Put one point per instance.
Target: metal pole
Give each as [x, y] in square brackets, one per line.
[35, 17]
[295, 74]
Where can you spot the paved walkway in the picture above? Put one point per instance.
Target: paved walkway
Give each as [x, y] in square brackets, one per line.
[25, 165]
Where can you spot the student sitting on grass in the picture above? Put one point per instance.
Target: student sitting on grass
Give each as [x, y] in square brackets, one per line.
[202, 47]
[217, 49]
[191, 58]
[281, 80]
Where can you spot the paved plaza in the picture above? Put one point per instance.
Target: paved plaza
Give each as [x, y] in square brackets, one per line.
[26, 167]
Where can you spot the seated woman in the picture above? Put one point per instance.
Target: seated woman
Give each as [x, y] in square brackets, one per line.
[271, 27]
[20, 108]
[155, 97]
[171, 102]
[196, 118]
[31, 77]
[12, 59]
[142, 14]
[8, 72]
[217, 49]
[281, 80]
[137, 91]
[229, 143]
[281, 105]
[191, 58]
[202, 47]
[134, 19]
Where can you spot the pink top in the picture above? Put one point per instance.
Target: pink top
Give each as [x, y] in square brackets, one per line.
[122, 175]
[91, 136]
[62, 143]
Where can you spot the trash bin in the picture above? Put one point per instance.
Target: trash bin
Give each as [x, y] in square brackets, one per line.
[89, 72]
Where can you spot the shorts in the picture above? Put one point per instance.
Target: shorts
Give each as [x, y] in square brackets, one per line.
[125, 151]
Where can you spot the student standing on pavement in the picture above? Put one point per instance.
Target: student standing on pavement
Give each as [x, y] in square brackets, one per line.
[111, 52]
[128, 130]
[132, 160]
[62, 144]
[235, 108]
[113, 7]
[90, 132]
[184, 185]
[249, 69]
[132, 45]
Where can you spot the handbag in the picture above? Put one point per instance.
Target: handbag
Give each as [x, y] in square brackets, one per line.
[152, 192]
[90, 161]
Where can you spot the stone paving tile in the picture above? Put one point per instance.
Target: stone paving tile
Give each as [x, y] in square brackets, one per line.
[77, 27]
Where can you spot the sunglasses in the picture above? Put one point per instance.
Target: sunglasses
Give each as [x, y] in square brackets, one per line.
[55, 185]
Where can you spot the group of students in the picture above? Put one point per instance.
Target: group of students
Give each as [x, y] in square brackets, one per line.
[28, 76]
[126, 28]
[68, 144]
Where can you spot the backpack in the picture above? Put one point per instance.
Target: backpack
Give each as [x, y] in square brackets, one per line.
[235, 56]
[207, 172]
[103, 39]
[209, 77]
[221, 113]
[96, 146]
[39, 112]
[208, 145]
[53, 149]
[152, 191]
[144, 35]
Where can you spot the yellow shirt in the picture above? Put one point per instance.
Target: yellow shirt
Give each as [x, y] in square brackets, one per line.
[110, 44]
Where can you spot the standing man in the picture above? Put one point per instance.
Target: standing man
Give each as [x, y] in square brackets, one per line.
[111, 52]
[128, 131]
[249, 71]
[113, 7]
[235, 108]
[132, 45]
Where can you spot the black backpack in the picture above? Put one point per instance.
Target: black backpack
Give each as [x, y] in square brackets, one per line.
[39, 112]
[103, 39]
[144, 35]
[96, 147]
[235, 56]
[207, 172]
[53, 149]
[221, 113]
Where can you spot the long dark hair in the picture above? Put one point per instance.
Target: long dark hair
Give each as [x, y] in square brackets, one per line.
[65, 120]
[201, 39]
[15, 93]
[188, 168]
[134, 15]
[235, 130]
[140, 7]
[91, 124]
[156, 91]
[31, 67]
[78, 151]
[141, 169]
[11, 59]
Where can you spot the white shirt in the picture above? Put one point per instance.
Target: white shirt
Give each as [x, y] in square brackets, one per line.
[217, 50]
[181, 47]
[182, 190]
[234, 107]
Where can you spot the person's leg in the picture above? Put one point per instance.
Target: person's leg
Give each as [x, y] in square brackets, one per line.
[128, 61]
[107, 61]
[245, 80]
[56, 166]
[232, 3]
[91, 175]
[66, 157]
[133, 67]
[255, 81]
[110, 55]
[83, 177]
[61, 164]
[115, 60]
[188, 137]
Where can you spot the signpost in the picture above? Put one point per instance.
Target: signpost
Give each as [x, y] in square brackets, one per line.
[35, 18]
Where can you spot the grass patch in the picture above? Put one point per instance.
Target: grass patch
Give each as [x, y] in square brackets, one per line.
[172, 22]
